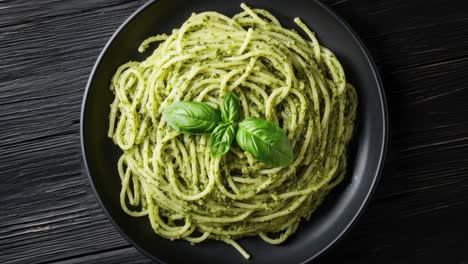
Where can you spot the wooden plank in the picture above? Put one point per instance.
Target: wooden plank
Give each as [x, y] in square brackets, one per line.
[21, 12]
[402, 34]
[49, 212]
[124, 255]
[384, 17]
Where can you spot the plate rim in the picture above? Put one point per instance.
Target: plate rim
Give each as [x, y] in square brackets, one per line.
[382, 154]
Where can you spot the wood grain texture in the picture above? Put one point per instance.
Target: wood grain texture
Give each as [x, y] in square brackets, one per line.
[48, 213]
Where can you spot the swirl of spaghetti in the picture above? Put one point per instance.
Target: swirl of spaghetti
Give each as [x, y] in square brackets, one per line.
[278, 75]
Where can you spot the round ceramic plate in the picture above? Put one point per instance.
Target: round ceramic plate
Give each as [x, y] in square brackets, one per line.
[341, 207]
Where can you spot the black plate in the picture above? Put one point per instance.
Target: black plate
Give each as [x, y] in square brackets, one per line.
[340, 209]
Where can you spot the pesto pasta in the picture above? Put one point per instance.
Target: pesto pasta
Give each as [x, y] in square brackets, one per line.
[172, 179]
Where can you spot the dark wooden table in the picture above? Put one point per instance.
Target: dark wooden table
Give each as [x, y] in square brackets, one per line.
[48, 212]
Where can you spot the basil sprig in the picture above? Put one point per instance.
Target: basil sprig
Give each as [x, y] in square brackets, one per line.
[263, 139]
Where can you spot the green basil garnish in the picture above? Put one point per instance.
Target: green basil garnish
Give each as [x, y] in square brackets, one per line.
[221, 138]
[265, 141]
[192, 117]
[230, 109]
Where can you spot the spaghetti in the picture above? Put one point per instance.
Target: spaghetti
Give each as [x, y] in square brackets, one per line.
[173, 180]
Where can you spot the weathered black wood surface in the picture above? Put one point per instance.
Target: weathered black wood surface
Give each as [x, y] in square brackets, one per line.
[48, 213]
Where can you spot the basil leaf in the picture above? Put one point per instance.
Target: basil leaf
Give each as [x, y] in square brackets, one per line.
[265, 141]
[192, 117]
[230, 109]
[221, 138]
